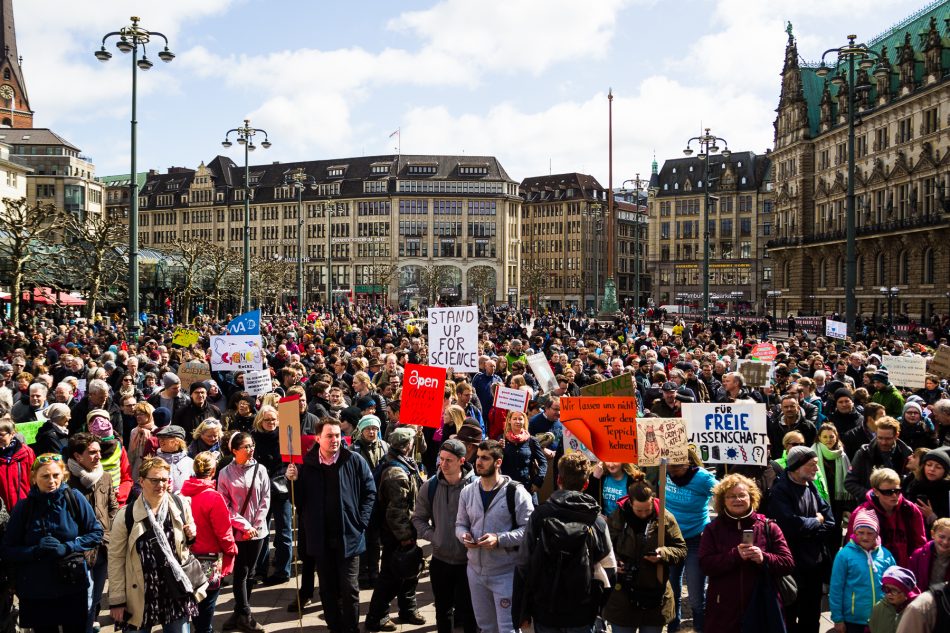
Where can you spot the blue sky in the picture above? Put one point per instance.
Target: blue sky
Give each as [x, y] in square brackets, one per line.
[523, 80]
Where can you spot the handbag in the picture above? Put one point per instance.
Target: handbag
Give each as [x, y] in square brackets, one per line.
[211, 566]
[786, 585]
[280, 487]
[72, 568]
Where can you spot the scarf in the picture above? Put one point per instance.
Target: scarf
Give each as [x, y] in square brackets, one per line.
[6, 454]
[842, 466]
[140, 435]
[519, 438]
[87, 478]
[156, 522]
[171, 458]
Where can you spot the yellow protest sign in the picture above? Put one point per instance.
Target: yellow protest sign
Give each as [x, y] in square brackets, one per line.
[185, 337]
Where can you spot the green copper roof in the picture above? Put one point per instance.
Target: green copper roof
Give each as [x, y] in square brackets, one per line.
[123, 179]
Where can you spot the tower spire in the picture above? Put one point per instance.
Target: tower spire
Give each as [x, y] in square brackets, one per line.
[14, 103]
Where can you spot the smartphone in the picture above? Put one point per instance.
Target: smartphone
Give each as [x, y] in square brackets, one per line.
[923, 499]
[467, 539]
[747, 537]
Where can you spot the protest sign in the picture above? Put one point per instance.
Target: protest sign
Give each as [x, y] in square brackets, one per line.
[453, 338]
[248, 323]
[542, 371]
[29, 431]
[607, 426]
[573, 445]
[288, 429]
[193, 371]
[621, 385]
[257, 383]
[659, 438]
[940, 363]
[754, 373]
[422, 395]
[765, 351]
[185, 337]
[80, 389]
[836, 329]
[238, 352]
[511, 399]
[906, 371]
[728, 433]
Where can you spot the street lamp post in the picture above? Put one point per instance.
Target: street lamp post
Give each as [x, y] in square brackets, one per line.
[637, 183]
[890, 293]
[300, 180]
[708, 144]
[599, 211]
[245, 136]
[866, 59]
[328, 209]
[131, 38]
[774, 294]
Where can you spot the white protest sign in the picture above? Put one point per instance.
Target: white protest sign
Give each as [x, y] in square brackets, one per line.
[728, 433]
[234, 353]
[836, 329]
[542, 371]
[906, 371]
[453, 338]
[661, 437]
[573, 445]
[755, 373]
[511, 399]
[257, 383]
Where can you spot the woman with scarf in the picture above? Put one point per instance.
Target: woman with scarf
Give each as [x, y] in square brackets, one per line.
[16, 458]
[45, 529]
[833, 467]
[268, 454]
[147, 546]
[916, 430]
[53, 435]
[114, 459]
[240, 413]
[524, 460]
[245, 487]
[142, 440]
[736, 567]
[207, 437]
[171, 449]
[214, 539]
[930, 487]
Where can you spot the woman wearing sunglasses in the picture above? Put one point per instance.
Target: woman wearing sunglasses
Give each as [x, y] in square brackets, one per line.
[44, 541]
[902, 524]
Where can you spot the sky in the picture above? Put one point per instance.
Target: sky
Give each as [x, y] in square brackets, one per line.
[525, 81]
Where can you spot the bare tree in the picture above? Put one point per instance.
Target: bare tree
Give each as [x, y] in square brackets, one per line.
[432, 278]
[191, 259]
[270, 277]
[482, 280]
[24, 229]
[533, 279]
[223, 274]
[94, 256]
[383, 274]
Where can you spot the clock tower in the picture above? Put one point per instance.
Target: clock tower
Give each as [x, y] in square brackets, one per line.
[14, 103]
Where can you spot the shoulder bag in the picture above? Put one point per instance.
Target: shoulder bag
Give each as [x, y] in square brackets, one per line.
[786, 586]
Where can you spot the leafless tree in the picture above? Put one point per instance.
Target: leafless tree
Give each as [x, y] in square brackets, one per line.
[533, 279]
[482, 280]
[93, 253]
[24, 229]
[223, 274]
[432, 278]
[191, 260]
[271, 277]
[383, 274]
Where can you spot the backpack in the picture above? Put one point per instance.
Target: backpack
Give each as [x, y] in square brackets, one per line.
[376, 518]
[511, 490]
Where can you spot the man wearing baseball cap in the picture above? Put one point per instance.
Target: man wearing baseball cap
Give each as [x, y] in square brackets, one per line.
[668, 405]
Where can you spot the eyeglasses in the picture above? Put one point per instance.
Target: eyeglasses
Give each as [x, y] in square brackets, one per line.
[739, 497]
[890, 590]
[889, 492]
[245, 448]
[157, 481]
[796, 444]
[45, 459]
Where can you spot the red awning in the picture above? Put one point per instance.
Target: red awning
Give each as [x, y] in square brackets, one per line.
[46, 296]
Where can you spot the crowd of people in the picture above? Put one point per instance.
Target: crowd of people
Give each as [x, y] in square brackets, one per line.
[125, 490]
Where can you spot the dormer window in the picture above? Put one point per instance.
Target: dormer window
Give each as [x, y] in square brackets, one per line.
[172, 185]
[690, 169]
[423, 170]
[473, 170]
[674, 170]
[334, 172]
[379, 169]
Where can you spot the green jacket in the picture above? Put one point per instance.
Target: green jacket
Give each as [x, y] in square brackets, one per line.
[892, 400]
[884, 617]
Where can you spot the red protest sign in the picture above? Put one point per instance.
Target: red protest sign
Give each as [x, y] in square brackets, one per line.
[765, 351]
[422, 393]
[606, 426]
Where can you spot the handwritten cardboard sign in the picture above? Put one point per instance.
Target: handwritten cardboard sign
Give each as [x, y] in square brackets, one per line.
[662, 437]
[754, 373]
[422, 394]
[193, 371]
[288, 429]
[185, 337]
[542, 371]
[233, 353]
[453, 338]
[511, 399]
[607, 426]
[727, 433]
[257, 383]
[765, 351]
[621, 385]
[906, 371]
[940, 363]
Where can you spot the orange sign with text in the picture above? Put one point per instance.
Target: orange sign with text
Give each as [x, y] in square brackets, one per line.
[606, 426]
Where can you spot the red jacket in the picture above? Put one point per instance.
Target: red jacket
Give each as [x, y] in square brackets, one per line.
[15, 475]
[731, 579]
[212, 522]
[902, 532]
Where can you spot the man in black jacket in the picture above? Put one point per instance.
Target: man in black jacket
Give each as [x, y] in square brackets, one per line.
[791, 418]
[335, 495]
[198, 409]
[884, 451]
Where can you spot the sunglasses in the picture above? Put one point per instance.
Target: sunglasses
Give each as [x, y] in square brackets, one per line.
[45, 459]
[157, 481]
[889, 492]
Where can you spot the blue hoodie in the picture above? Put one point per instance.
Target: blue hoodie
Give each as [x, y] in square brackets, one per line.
[856, 582]
[690, 503]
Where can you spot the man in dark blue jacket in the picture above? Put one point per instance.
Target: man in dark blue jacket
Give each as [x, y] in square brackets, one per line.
[805, 519]
[335, 494]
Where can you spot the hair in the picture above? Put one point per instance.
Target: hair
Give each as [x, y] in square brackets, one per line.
[258, 419]
[180, 443]
[457, 414]
[7, 425]
[463, 387]
[728, 483]
[297, 390]
[861, 397]
[919, 453]
[99, 385]
[79, 442]
[943, 523]
[884, 475]
[364, 378]
[239, 396]
[318, 427]
[573, 471]
[639, 488]
[790, 396]
[206, 424]
[872, 409]
[789, 437]
[204, 465]
[510, 415]
[828, 426]
[151, 463]
[24, 375]
[493, 448]
[887, 422]
[51, 458]
[236, 439]
[143, 407]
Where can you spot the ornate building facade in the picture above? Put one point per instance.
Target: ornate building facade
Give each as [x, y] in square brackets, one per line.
[902, 154]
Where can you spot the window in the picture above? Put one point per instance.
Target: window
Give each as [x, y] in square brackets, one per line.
[335, 172]
[931, 121]
[745, 227]
[928, 266]
[725, 228]
[905, 130]
[861, 146]
[881, 139]
[902, 269]
[375, 186]
[664, 230]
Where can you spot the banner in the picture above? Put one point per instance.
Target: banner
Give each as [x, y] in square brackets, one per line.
[453, 338]
[542, 371]
[29, 430]
[906, 371]
[191, 372]
[511, 399]
[621, 385]
[233, 353]
[754, 373]
[765, 351]
[422, 393]
[248, 323]
[940, 363]
[185, 337]
[257, 383]
[728, 433]
[607, 426]
[662, 437]
[836, 329]
[288, 429]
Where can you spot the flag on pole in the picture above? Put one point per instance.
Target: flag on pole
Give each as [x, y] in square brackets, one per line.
[396, 133]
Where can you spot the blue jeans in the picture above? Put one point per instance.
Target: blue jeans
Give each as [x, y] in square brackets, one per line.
[629, 629]
[175, 626]
[202, 621]
[99, 573]
[282, 514]
[543, 628]
[695, 583]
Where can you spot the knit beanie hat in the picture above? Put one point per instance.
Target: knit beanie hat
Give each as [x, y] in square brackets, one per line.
[798, 457]
[902, 579]
[864, 518]
[401, 437]
[939, 455]
[162, 416]
[912, 405]
[101, 427]
[881, 375]
[368, 421]
[169, 379]
[844, 393]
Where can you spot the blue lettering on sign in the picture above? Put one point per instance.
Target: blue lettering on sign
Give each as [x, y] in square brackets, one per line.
[727, 422]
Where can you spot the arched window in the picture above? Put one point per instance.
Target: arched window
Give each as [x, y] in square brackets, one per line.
[928, 266]
[879, 270]
[6, 73]
[902, 268]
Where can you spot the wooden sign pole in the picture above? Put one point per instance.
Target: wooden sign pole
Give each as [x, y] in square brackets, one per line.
[661, 518]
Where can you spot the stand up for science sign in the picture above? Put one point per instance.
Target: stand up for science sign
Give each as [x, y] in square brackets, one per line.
[453, 338]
